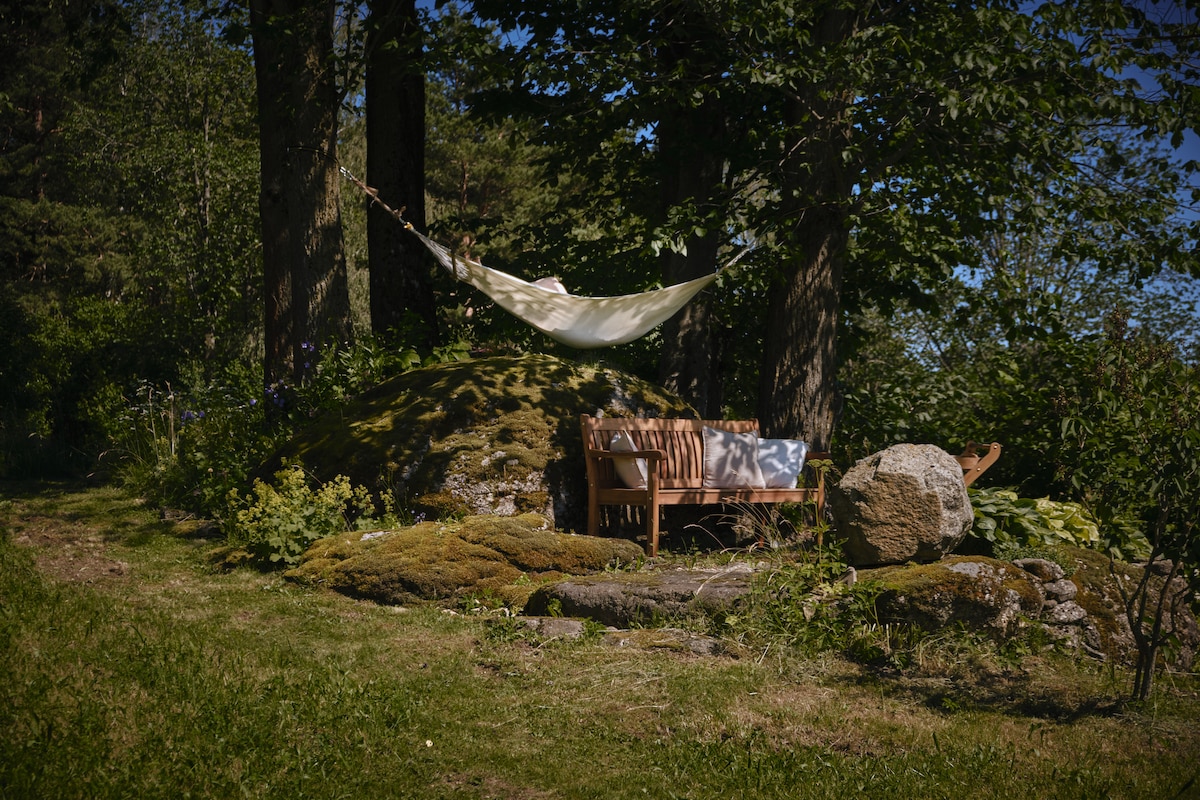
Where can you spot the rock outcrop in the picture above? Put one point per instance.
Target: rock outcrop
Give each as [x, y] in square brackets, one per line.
[496, 435]
[979, 593]
[501, 557]
[905, 503]
[639, 598]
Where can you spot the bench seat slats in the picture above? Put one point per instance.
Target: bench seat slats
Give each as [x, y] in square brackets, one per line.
[674, 449]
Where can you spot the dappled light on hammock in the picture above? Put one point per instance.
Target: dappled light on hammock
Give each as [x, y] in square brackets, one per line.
[576, 321]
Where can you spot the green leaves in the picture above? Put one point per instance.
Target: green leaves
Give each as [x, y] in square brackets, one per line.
[1133, 434]
[1007, 520]
[278, 523]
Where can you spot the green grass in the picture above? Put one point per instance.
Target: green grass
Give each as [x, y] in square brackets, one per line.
[130, 668]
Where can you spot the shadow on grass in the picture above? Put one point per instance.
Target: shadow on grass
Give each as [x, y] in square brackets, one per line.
[1062, 693]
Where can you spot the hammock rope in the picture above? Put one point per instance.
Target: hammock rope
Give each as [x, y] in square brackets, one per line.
[575, 320]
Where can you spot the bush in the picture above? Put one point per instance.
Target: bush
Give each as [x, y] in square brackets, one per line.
[1005, 521]
[277, 524]
[189, 448]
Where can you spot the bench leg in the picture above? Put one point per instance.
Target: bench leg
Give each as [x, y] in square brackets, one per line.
[593, 518]
[652, 529]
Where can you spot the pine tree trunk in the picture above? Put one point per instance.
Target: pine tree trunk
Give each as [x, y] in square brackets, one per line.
[306, 292]
[401, 289]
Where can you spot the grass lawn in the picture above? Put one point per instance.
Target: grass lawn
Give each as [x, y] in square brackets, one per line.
[131, 668]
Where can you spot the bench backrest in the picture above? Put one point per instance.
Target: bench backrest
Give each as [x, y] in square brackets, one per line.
[681, 439]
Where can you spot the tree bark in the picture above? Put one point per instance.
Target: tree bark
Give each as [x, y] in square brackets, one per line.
[691, 141]
[402, 300]
[688, 360]
[307, 300]
[798, 395]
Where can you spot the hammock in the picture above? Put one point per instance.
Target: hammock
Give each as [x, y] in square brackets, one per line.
[582, 322]
[576, 321]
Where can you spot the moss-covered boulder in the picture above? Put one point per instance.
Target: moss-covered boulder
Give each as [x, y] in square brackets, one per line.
[502, 557]
[1074, 597]
[1102, 600]
[977, 592]
[494, 435]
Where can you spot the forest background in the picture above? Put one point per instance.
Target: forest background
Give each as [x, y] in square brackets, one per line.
[955, 222]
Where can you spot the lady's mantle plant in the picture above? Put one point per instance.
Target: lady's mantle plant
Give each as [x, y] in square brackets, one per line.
[277, 523]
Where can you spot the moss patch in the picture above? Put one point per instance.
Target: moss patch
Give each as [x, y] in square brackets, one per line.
[505, 557]
[974, 590]
[496, 435]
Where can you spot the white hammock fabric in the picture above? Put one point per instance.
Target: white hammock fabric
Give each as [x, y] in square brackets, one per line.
[576, 321]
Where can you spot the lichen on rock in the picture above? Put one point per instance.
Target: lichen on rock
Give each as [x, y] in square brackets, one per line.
[978, 592]
[495, 435]
[905, 503]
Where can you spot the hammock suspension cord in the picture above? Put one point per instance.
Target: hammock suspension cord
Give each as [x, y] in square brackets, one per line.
[574, 320]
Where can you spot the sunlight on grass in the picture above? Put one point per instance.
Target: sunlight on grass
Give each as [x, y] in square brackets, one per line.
[168, 676]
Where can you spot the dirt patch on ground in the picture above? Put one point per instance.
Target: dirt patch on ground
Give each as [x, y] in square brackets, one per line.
[67, 552]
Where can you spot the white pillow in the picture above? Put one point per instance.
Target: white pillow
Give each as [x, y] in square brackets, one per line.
[553, 284]
[780, 461]
[731, 460]
[631, 471]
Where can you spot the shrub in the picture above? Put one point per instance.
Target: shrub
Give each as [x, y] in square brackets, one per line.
[1134, 433]
[277, 524]
[189, 448]
[1006, 521]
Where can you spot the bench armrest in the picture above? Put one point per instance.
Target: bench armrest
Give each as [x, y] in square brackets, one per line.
[649, 455]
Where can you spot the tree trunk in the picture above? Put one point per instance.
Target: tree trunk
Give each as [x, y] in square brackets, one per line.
[797, 393]
[401, 289]
[689, 358]
[798, 396]
[306, 293]
[691, 142]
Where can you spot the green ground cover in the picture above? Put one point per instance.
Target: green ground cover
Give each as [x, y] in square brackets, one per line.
[131, 667]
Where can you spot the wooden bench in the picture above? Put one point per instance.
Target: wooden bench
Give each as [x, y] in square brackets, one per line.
[973, 464]
[674, 453]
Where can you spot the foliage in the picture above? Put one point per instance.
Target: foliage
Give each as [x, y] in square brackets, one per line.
[985, 353]
[127, 246]
[186, 448]
[1005, 520]
[803, 602]
[1133, 432]
[910, 139]
[334, 373]
[278, 522]
[809, 602]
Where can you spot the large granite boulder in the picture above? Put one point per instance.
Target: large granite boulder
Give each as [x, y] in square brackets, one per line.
[905, 503]
[497, 435]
